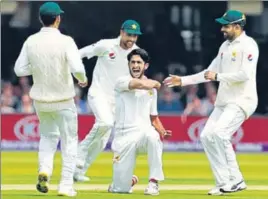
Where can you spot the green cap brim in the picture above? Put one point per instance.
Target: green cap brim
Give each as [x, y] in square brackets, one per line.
[133, 32]
[61, 11]
[222, 21]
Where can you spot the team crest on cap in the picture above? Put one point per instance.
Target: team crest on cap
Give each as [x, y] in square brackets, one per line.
[250, 58]
[134, 26]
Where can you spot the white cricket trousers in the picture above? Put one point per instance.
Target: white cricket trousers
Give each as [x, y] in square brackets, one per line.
[54, 126]
[96, 140]
[126, 146]
[216, 140]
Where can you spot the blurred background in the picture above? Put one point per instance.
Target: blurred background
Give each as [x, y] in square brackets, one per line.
[181, 37]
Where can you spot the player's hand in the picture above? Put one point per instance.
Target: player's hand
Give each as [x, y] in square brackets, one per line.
[209, 75]
[167, 134]
[172, 80]
[83, 84]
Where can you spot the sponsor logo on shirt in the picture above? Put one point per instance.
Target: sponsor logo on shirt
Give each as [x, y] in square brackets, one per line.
[150, 92]
[112, 55]
[250, 58]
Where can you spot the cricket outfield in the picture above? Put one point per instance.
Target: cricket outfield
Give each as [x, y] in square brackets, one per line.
[188, 176]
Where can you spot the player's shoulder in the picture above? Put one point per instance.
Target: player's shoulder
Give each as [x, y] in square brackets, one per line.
[108, 42]
[224, 44]
[67, 38]
[249, 42]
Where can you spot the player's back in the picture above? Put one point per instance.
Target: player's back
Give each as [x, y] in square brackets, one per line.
[50, 70]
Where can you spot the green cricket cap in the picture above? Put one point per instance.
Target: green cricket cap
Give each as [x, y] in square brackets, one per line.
[131, 27]
[50, 8]
[232, 17]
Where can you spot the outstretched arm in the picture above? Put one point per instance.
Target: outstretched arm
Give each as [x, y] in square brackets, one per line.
[174, 80]
[96, 49]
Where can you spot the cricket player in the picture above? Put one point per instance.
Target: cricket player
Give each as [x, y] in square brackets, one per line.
[137, 127]
[235, 69]
[50, 57]
[111, 64]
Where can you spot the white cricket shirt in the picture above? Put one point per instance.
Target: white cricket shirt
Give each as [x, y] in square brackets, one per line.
[111, 64]
[236, 65]
[133, 107]
[50, 57]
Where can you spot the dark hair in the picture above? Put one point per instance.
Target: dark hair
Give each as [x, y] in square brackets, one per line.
[141, 52]
[48, 20]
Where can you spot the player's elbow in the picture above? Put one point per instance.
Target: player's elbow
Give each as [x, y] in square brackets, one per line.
[18, 71]
[245, 76]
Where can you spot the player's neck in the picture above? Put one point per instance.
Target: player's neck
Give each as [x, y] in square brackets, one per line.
[53, 26]
[123, 46]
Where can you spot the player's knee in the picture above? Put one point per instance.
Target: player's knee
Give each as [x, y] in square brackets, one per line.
[221, 135]
[205, 136]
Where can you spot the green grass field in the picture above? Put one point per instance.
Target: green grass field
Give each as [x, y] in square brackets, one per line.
[188, 176]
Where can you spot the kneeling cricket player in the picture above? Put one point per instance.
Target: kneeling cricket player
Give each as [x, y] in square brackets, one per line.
[137, 127]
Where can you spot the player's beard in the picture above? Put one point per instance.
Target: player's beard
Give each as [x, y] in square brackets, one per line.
[228, 36]
[127, 45]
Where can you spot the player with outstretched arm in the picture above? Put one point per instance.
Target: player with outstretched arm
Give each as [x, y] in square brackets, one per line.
[235, 69]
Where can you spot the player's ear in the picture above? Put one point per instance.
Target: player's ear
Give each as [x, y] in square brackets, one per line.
[146, 66]
[121, 32]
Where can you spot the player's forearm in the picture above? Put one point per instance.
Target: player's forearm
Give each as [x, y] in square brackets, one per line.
[240, 76]
[157, 124]
[193, 79]
[146, 84]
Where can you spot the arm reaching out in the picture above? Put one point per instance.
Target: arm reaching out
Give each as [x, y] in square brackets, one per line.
[92, 50]
[174, 80]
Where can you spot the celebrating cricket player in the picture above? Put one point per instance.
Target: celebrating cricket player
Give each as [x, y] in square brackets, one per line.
[235, 69]
[50, 57]
[111, 64]
[137, 127]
